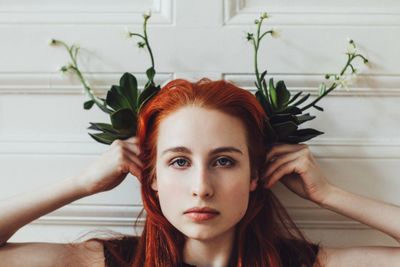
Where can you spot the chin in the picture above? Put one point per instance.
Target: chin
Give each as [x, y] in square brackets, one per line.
[202, 233]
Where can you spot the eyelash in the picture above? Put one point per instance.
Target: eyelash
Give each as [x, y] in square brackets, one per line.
[232, 162]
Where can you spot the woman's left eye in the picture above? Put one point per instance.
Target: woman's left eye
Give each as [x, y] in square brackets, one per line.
[225, 161]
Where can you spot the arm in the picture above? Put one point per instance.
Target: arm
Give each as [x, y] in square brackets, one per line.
[376, 214]
[295, 166]
[21, 210]
[370, 256]
[102, 175]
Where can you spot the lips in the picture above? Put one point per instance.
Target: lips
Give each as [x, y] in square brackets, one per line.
[201, 210]
[198, 214]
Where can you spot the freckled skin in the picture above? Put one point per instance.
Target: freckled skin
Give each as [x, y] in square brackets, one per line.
[199, 179]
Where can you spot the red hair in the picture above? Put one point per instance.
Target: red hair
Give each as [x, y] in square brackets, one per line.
[265, 223]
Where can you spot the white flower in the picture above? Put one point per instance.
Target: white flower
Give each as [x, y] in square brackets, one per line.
[147, 14]
[264, 15]
[126, 33]
[276, 33]
[351, 47]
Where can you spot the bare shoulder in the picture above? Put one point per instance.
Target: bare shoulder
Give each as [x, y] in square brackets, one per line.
[363, 256]
[89, 253]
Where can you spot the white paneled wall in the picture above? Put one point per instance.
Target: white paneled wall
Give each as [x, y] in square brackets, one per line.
[43, 136]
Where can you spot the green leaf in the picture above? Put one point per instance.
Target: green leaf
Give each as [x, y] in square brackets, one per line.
[115, 99]
[303, 118]
[150, 73]
[295, 97]
[263, 75]
[88, 104]
[104, 127]
[280, 118]
[129, 88]
[301, 100]
[125, 121]
[318, 107]
[283, 95]
[103, 138]
[285, 129]
[264, 103]
[147, 94]
[303, 135]
[272, 93]
[322, 89]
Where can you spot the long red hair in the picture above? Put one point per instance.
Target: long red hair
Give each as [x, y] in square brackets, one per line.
[266, 221]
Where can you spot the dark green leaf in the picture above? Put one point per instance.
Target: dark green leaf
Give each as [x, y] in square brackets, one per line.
[150, 73]
[301, 100]
[264, 103]
[147, 93]
[103, 138]
[129, 88]
[285, 128]
[104, 127]
[125, 121]
[88, 104]
[279, 118]
[283, 95]
[303, 118]
[295, 97]
[303, 135]
[115, 99]
[318, 107]
[263, 75]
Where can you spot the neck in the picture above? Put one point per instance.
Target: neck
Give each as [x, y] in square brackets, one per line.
[210, 252]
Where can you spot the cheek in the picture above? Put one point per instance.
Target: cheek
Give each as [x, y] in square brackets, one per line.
[170, 194]
[236, 198]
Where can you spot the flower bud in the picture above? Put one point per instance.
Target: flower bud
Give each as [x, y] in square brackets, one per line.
[52, 42]
[147, 14]
[264, 15]
[256, 21]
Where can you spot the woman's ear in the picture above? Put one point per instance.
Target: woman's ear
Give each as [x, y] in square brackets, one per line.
[154, 185]
[253, 183]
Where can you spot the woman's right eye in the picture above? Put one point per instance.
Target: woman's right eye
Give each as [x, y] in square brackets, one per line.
[181, 162]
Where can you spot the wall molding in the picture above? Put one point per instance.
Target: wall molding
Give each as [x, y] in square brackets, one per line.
[56, 83]
[103, 12]
[327, 148]
[362, 85]
[243, 12]
[125, 216]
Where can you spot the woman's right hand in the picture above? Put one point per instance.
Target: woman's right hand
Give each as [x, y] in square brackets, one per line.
[112, 167]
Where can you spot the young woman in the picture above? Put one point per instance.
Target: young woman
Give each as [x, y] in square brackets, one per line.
[206, 171]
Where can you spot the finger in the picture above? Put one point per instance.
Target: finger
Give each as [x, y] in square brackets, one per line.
[132, 139]
[273, 166]
[283, 170]
[134, 158]
[278, 150]
[133, 148]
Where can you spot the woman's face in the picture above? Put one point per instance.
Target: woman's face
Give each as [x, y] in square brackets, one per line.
[203, 161]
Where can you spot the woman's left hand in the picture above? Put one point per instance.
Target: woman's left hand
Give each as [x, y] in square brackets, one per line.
[295, 167]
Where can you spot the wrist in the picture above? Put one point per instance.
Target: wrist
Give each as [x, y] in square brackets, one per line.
[329, 193]
[78, 186]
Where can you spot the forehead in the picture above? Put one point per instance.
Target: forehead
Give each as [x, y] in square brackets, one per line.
[201, 129]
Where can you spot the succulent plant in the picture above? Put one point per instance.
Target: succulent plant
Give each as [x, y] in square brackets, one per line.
[284, 112]
[123, 101]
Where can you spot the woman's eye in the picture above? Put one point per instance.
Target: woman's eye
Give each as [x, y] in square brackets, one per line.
[225, 161]
[180, 162]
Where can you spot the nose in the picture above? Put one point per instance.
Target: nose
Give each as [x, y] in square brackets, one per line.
[202, 186]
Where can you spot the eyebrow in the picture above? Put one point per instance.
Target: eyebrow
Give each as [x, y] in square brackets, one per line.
[212, 152]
